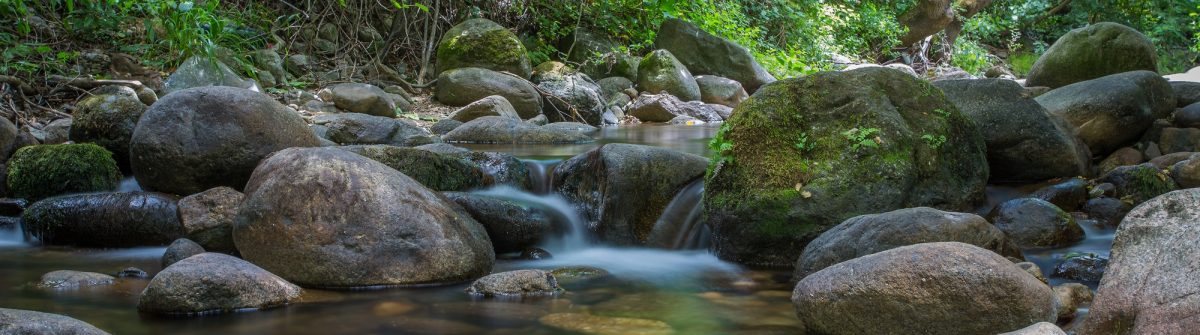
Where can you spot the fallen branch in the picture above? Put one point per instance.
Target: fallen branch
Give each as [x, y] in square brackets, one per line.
[88, 83]
[19, 84]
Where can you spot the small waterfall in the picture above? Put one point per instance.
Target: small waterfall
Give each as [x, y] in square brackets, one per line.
[679, 227]
[541, 174]
[13, 236]
[574, 235]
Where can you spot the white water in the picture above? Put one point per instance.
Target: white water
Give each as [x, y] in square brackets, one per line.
[575, 247]
[12, 237]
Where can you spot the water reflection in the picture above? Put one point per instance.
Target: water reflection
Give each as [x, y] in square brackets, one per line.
[689, 139]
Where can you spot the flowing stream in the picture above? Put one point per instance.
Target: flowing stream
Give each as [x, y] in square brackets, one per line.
[679, 283]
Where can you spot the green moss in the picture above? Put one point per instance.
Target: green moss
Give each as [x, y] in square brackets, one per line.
[41, 171]
[485, 44]
[435, 171]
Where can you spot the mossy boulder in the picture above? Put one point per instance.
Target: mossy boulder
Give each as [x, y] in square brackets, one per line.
[660, 72]
[804, 154]
[1138, 183]
[41, 171]
[1092, 52]
[436, 171]
[485, 44]
[107, 118]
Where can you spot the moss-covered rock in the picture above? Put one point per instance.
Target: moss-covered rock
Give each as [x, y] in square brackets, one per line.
[1092, 52]
[436, 171]
[1138, 183]
[660, 72]
[485, 44]
[804, 154]
[41, 171]
[107, 118]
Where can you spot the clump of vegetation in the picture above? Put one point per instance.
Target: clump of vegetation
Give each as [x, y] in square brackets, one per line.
[41, 171]
[862, 138]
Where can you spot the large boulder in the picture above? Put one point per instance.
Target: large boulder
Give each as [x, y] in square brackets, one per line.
[705, 53]
[1111, 111]
[572, 97]
[497, 129]
[214, 283]
[327, 217]
[621, 190]
[207, 218]
[1150, 286]
[1092, 52]
[504, 168]
[200, 71]
[721, 91]
[660, 72]
[22, 322]
[41, 171]
[1186, 92]
[1025, 143]
[439, 172]
[928, 288]
[196, 139]
[805, 154]
[485, 44]
[107, 118]
[355, 128]
[362, 98]
[868, 234]
[460, 87]
[105, 220]
[511, 225]
[1036, 223]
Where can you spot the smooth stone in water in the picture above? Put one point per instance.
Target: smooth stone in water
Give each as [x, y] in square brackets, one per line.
[1067, 195]
[326, 217]
[517, 283]
[495, 129]
[1036, 223]
[1139, 183]
[603, 325]
[214, 283]
[928, 288]
[354, 128]
[1106, 211]
[1071, 296]
[22, 322]
[72, 280]
[180, 249]
[440, 172]
[512, 226]
[105, 220]
[207, 218]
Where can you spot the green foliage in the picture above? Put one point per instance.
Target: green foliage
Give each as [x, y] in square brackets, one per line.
[803, 144]
[1022, 62]
[934, 141]
[862, 138]
[721, 147]
[971, 57]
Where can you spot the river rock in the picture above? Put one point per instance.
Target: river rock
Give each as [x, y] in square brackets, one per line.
[511, 225]
[354, 128]
[436, 171]
[666, 107]
[493, 105]
[460, 87]
[834, 150]
[10, 139]
[40, 171]
[362, 98]
[180, 249]
[572, 97]
[1186, 173]
[504, 168]
[1188, 116]
[22, 322]
[271, 62]
[443, 148]
[1085, 268]
[444, 126]
[196, 139]
[1106, 211]
[326, 217]
[1187, 93]
[484, 44]
[1040, 328]
[107, 118]
[925, 288]
[495, 129]
[105, 220]
[705, 53]
[613, 64]
[660, 72]
[1121, 157]
[621, 190]
[207, 218]
[1150, 285]
[515, 283]
[73, 280]
[1092, 52]
[1036, 223]
[1138, 183]
[1173, 140]
[1168, 160]
[1129, 104]
[867, 234]
[1067, 195]
[721, 91]
[199, 71]
[1024, 141]
[214, 283]
[1072, 296]
[614, 85]
[1033, 270]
